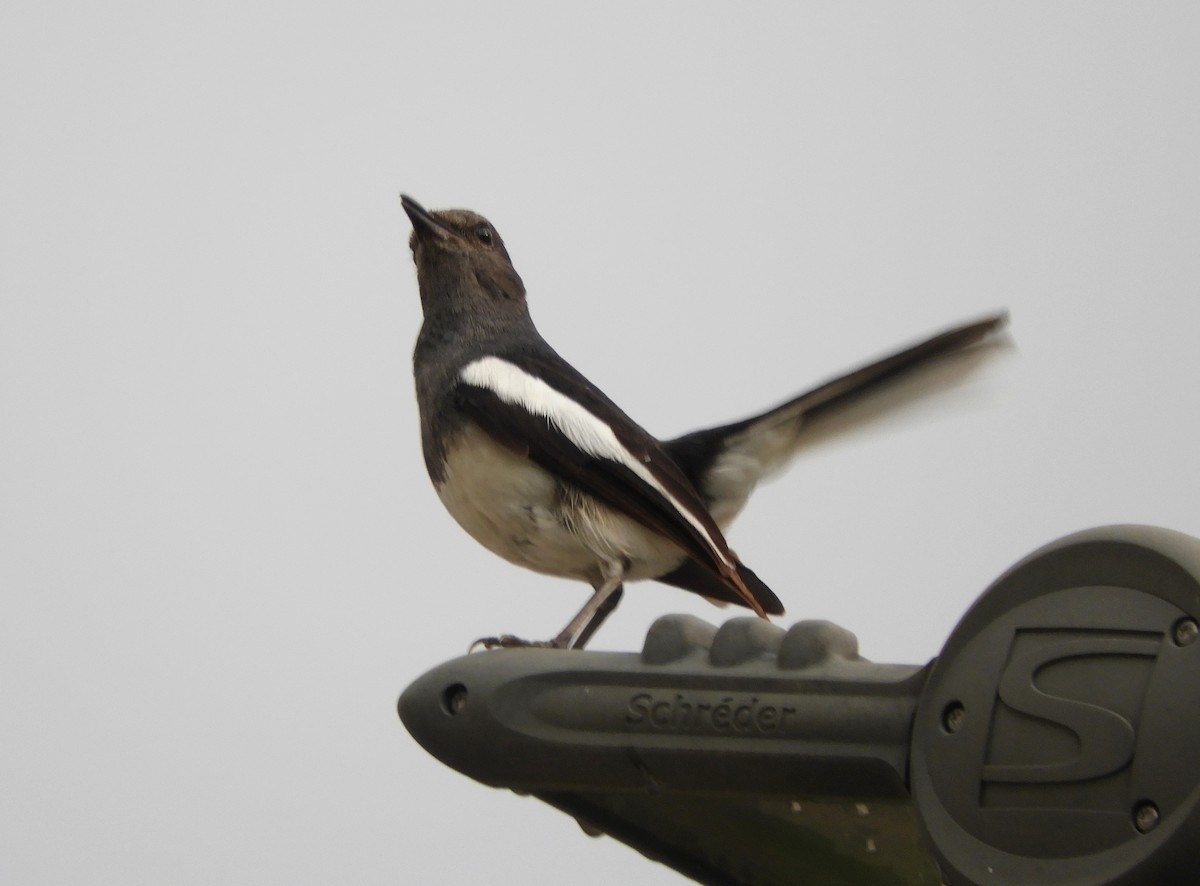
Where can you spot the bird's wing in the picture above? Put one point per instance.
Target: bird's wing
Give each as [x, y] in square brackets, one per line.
[725, 463]
[690, 576]
[543, 407]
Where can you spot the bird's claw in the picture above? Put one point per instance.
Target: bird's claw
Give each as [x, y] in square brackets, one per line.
[508, 641]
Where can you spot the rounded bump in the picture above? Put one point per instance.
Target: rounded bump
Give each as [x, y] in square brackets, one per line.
[674, 637]
[744, 639]
[814, 641]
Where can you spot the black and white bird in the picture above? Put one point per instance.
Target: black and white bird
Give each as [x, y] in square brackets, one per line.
[541, 468]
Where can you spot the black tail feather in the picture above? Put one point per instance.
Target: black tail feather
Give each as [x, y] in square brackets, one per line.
[691, 576]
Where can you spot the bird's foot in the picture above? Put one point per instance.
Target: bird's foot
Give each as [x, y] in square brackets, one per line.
[508, 641]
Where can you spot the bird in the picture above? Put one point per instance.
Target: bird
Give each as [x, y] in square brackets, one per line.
[540, 467]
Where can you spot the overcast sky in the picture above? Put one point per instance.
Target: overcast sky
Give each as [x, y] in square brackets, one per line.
[221, 559]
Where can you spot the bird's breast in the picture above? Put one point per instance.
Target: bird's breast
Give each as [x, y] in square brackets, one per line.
[521, 512]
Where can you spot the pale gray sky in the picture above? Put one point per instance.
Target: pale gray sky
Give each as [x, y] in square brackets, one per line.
[220, 556]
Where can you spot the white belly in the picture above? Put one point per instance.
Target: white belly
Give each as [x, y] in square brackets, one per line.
[517, 510]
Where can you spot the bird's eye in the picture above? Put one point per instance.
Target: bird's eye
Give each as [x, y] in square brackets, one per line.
[484, 233]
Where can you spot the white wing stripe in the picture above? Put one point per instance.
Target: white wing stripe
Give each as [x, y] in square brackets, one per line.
[588, 432]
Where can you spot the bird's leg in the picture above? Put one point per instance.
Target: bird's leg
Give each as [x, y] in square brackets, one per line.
[605, 599]
[602, 612]
[600, 605]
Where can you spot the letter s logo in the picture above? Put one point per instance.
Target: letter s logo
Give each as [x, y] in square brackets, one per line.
[1106, 739]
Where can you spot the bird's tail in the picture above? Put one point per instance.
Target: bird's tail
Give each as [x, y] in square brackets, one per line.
[841, 391]
[725, 463]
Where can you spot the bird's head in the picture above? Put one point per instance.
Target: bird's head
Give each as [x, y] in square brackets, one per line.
[461, 261]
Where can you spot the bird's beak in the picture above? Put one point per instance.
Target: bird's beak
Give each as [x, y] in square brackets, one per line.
[425, 226]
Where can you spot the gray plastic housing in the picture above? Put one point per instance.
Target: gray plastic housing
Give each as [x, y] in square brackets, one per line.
[697, 747]
[1056, 738]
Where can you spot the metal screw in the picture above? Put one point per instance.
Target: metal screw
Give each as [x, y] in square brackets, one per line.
[953, 717]
[454, 699]
[1145, 817]
[1186, 631]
